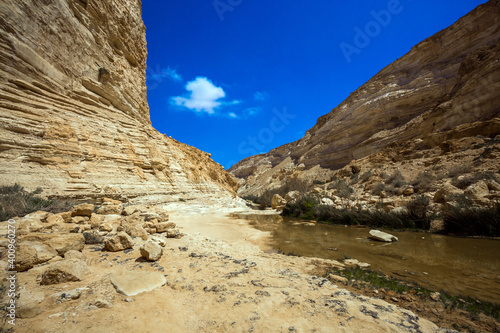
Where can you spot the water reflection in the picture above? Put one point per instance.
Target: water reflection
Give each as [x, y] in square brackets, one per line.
[461, 266]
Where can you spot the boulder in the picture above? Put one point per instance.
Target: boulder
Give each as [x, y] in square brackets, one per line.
[164, 226]
[110, 207]
[28, 304]
[84, 209]
[408, 191]
[92, 237]
[382, 236]
[131, 283]
[31, 253]
[446, 193]
[130, 210]
[137, 231]
[151, 250]
[110, 210]
[119, 242]
[172, 233]
[477, 191]
[96, 220]
[72, 254]
[162, 241]
[277, 202]
[317, 190]
[327, 202]
[80, 219]
[55, 219]
[61, 242]
[292, 196]
[69, 270]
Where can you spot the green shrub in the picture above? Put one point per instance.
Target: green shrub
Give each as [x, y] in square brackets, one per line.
[366, 176]
[16, 201]
[423, 181]
[378, 188]
[417, 212]
[344, 190]
[465, 219]
[396, 179]
[459, 170]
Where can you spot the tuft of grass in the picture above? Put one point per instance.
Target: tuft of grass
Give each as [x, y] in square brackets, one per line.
[16, 201]
[344, 190]
[182, 200]
[423, 182]
[310, 209]
[464, 219]
[396, 179]
[378, 188]
[417, 212]
[365, 176]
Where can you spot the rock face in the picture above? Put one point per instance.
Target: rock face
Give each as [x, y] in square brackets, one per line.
[74, 118]
[449, 80]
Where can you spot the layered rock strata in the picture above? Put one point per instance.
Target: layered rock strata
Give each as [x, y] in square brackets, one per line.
[74, 117]
[449, 79]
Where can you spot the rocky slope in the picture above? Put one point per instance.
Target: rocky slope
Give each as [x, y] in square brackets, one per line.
[74, 118]
[449, 79]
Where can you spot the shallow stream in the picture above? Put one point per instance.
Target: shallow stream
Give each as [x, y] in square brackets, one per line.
[460, 266]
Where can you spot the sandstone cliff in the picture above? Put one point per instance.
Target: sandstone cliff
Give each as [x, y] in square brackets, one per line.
[449, 79]
[74, 117]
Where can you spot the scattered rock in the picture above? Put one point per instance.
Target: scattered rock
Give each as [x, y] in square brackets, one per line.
[69, 295]
[477, 191]
[129, 210]
[172, 233]
[28, 304]
[72, 254]
[435, 296]
[159, 240]
[30, 254]
[151, 250]
[382, 236]
[355, 262]
[277, 202]
[164, 226]
[137, 231]
[70, 270]
[110, 207]
[408, 191]
[61, 242]
[337, 278]
[119, 242]
[101, 304]
[85, 209]
[327, 201]
[131, 283]
[292, 196]
[92, 237]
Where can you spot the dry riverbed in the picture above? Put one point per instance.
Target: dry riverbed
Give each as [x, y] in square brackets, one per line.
[217, 279]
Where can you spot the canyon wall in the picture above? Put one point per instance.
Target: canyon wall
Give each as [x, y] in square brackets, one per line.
[448, 80]
[74, 117]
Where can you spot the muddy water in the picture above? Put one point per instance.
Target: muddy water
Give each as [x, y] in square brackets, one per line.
[460, 266]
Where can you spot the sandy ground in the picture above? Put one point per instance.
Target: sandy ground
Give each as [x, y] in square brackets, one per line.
[218, 280]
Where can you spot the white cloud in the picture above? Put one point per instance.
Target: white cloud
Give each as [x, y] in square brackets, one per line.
[260, 96]
[204, 97]
[252, 111]
[168, 72]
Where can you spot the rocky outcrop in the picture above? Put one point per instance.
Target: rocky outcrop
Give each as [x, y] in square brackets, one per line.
[74, 118]
[450, 80]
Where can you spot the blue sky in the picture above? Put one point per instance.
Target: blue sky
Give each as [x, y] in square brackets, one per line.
[236, 78]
